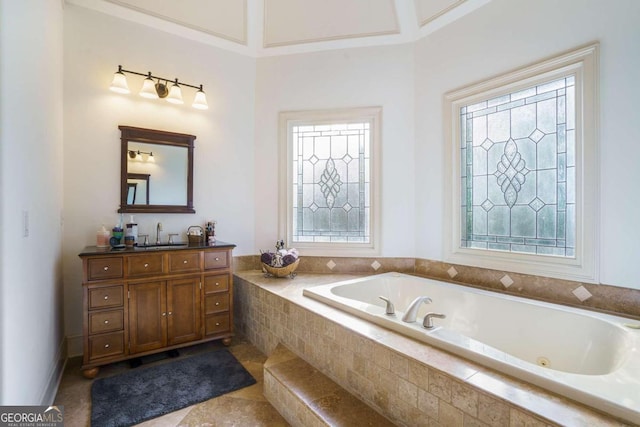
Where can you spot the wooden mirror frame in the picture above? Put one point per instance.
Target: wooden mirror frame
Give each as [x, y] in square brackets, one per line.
[159, 137]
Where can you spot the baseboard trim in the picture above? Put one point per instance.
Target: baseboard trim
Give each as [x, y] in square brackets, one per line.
[49, 394]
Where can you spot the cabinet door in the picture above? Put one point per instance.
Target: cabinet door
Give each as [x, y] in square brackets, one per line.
[147, 316]
[183, 315]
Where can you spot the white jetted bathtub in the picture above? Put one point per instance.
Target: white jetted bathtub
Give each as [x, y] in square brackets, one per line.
[591, 357]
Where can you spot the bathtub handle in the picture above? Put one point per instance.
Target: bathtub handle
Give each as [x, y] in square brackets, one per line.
[390, 310]
[428, 323]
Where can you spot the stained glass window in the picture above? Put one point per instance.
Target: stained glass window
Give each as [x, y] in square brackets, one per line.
[331, 182]
[518, 171]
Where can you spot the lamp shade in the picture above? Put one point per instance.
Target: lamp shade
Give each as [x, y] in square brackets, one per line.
[175, 94]
[200, 101]
[119, 83]
[149, 88]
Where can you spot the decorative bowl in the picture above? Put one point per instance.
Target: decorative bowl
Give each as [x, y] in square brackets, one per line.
[289, 270]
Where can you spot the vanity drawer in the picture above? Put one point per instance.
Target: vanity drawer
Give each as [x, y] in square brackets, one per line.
[180, 262]
[106, 321]
[106, 296]
[216, 259]
[145, 265]
[104, 268]
[216, 283]
[106, 345]
[216, 303]
[216, 324]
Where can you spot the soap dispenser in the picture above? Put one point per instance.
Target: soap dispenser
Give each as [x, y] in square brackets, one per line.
[132, 230]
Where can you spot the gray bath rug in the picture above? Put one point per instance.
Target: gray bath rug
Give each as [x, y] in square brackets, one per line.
[148, 392]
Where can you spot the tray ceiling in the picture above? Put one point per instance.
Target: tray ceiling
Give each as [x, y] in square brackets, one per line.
[277, 27]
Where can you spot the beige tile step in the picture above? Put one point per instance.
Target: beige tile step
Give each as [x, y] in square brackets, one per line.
[306, 397]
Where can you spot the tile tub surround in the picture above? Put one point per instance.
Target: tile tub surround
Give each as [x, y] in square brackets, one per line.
[409, 382]
[610, 299]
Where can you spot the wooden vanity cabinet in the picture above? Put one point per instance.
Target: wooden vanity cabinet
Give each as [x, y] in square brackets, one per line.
[140, 302]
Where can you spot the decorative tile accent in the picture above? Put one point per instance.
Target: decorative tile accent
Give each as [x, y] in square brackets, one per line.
[376, 265]
[452, 272]
[331, 265]
[506, 281]
[582, 293]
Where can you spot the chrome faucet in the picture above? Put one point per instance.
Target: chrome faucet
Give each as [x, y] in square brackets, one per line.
[158, 230]
[390, 310]
[412, 312]
[428, 323]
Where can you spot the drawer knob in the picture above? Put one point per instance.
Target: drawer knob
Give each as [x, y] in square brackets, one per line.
[217, 284]
[106, 297]
[106, 268]
[106, 346]
[217, 259]
[146, 265]
[184, 262]
[106, 322]
[217, 302]
[217, 323]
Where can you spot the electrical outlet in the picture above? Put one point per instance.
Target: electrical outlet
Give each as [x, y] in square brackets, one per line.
[25, 223]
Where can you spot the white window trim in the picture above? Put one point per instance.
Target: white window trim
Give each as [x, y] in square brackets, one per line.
[585, 265]
[294, 118]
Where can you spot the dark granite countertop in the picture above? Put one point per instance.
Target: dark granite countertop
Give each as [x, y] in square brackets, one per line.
[94, 250]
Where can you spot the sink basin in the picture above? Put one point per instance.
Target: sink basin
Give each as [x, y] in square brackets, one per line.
[162, 246]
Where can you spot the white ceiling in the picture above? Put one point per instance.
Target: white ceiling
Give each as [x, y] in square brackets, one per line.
[278, 27]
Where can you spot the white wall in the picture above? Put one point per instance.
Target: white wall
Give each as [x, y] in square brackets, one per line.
[95, 44]
[31, 318]
[507, 34]
[364, 77]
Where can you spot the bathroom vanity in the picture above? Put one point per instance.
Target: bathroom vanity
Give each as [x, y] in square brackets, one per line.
[141, 301]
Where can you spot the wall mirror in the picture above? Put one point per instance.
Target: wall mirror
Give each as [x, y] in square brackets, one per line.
[156, 173]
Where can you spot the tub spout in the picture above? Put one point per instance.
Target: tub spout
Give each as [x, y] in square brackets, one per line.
[390, 310]
[412, 312]
[428, 323]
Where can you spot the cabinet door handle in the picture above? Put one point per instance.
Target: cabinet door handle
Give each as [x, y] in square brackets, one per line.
[106, 268]
[170, 313]
[164, 314]
[106, 322]
[106, 346]
[106, 297]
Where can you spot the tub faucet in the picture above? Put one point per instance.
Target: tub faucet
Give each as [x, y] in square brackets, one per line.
[390, 310]
[412, 312]
[428, 323]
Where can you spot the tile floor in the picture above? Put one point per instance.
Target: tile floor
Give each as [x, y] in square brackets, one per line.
[245, 407]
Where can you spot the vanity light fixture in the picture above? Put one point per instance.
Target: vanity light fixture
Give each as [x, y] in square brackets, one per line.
[137, 154]
[155, 87]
